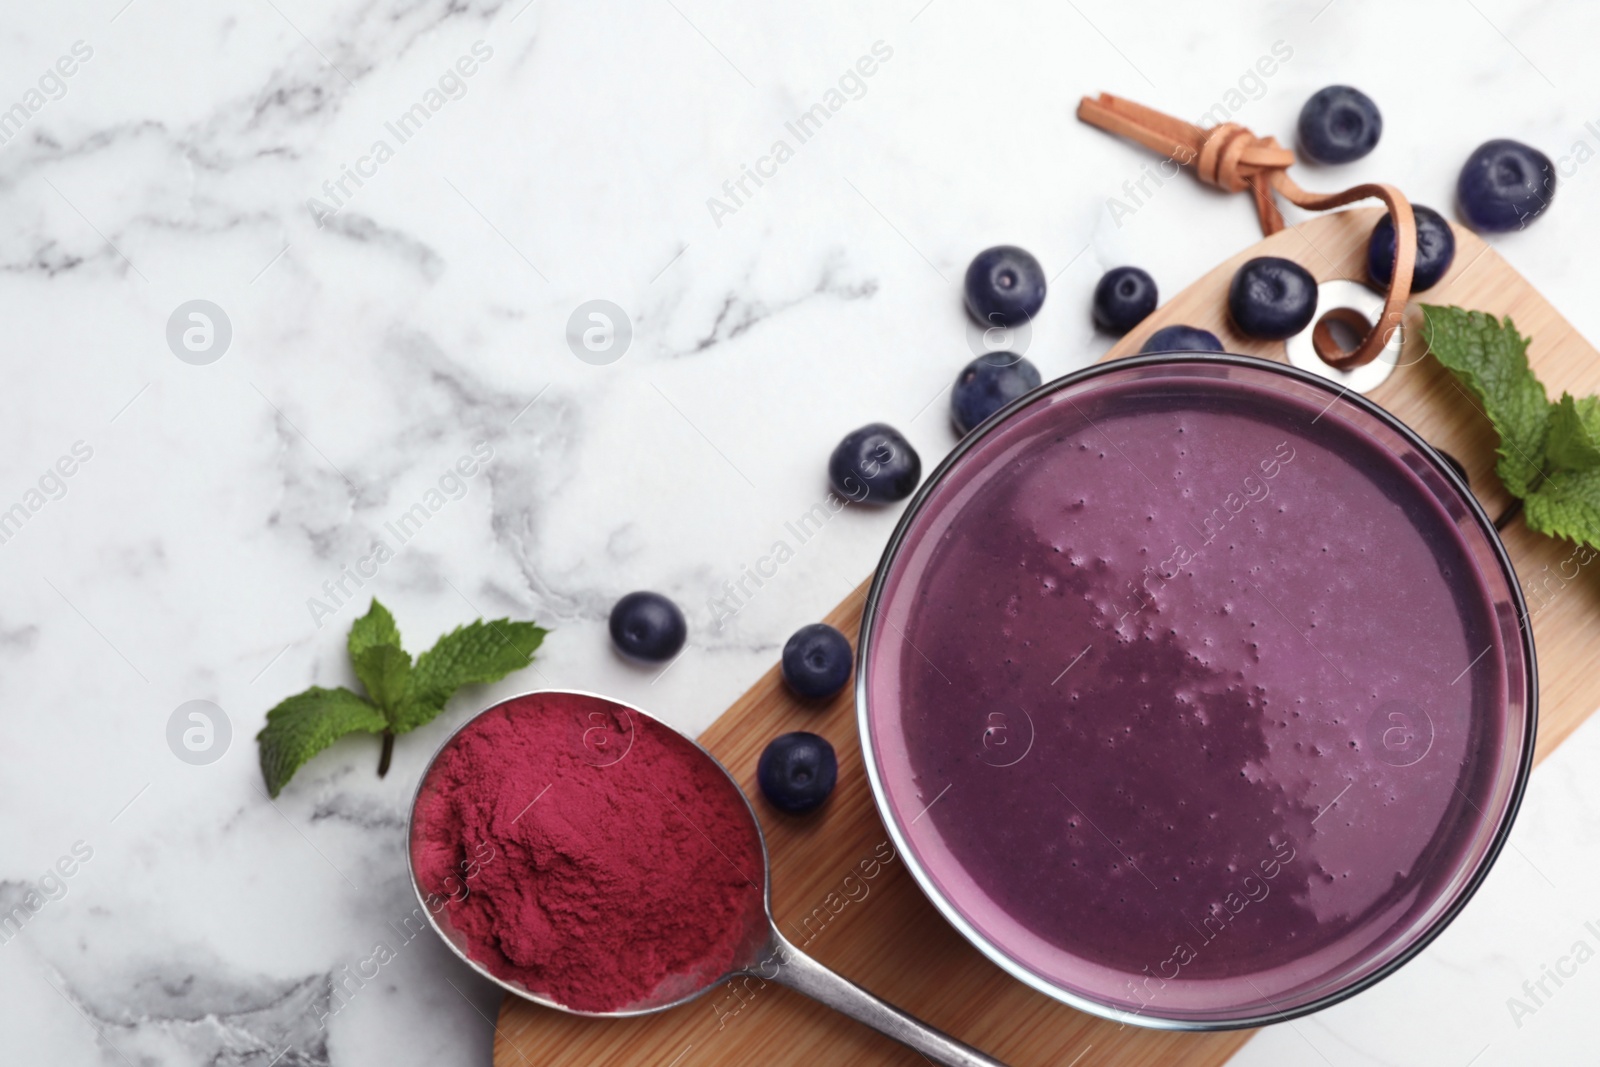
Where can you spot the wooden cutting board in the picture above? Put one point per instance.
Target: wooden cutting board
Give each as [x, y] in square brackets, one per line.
[882, 933]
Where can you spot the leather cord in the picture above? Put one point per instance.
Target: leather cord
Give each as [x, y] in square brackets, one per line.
[1232, 158]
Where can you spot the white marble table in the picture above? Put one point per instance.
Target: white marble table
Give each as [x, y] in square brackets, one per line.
[380, 333]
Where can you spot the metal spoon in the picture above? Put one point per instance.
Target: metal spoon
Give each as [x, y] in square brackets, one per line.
[769, 955]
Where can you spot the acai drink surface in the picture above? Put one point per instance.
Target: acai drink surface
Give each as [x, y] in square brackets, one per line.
[1183, 690]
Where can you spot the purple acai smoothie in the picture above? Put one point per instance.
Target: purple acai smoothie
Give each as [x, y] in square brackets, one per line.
[1195, 689]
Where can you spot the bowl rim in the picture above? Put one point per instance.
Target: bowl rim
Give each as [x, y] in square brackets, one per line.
[913, 509]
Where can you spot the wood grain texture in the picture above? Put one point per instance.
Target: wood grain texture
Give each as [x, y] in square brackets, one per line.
[881, 932]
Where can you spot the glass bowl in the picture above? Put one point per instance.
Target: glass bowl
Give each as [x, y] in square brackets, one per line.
[1196, 692]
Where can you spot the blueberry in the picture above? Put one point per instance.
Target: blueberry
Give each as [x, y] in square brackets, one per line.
[1005, 286]
[1122, 299]
[874, 465]
[797, 772]
[1436, 249]
[988, 384]
[816, 661]
[1181, 339]
[1339, 125]
[1272, 298]
[1504, 185]
[647, 626]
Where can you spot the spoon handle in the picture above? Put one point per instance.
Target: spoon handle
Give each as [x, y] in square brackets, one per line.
[787, 965]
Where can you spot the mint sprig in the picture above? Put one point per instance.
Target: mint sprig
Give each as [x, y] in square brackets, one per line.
[401, 695]
[1549, 451]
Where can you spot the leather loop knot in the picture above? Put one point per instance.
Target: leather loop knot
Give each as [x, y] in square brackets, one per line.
[1232, 158]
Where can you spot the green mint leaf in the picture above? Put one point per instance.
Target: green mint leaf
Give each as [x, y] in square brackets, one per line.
[404, 695]
[386, 672]
[1574, 442]
[376, 627]
[474, 654]
[379, 671]
[307, 723]
[1566, 504]
[1491, 359]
